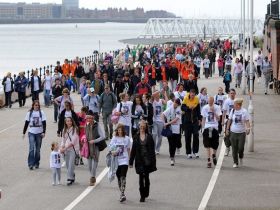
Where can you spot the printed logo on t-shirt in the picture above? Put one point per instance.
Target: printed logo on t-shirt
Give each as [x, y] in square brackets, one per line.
[57, 158]
[211, 117]
[238, 119]
[125, 110]
[120, 149]
[36, 122]
[203, 102]
[220, 102]
[158, 110]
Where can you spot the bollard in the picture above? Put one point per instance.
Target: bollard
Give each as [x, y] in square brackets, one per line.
[44, 71]
[40, 72]
[51, 69]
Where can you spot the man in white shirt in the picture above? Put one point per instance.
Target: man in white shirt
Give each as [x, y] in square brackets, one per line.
[259, 61]
[211, 114]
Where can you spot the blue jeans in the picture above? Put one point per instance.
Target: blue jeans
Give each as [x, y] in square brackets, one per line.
[47, 97]
[35, 142]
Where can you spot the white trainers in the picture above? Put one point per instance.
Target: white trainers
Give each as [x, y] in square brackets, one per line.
[227, 151]
[172, 162]
[235, 165]
[189, 156]
[63, 164]
[196, 155]
[241, 162]
[178, 151]
[53, 184]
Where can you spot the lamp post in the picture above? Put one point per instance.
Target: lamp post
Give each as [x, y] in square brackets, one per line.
[243, 85]
[251, 107]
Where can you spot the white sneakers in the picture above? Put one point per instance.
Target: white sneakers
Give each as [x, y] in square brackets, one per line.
[189, 156]
[172, 162]
[235, 165]
[196, 155]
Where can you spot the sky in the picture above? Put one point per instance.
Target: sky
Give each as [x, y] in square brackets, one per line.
[183, 8]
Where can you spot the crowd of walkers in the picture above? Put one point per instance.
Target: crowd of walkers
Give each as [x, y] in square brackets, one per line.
[142, 96]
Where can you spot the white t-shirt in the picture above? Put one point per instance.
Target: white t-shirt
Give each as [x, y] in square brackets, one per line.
[8, 84]
[203, 100]
[180, 95]
[48, 82]
[158, 109]
[121, 145]
[210, 117]
[228, 105]
[206, 63]
[169, 104]
[62, 99]
[68, 114]
[197, 61]
[228, 59]
[92, 102]
[55, 159]
[138, 112]
[259, 59]
[219, 100]
[125, 117]
[36, 83]
[238, 117]
[35, 121]
[171, 114]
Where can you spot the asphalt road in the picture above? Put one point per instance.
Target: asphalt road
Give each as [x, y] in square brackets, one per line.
[254, 186]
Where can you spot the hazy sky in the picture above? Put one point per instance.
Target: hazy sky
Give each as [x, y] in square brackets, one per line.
[184, 8]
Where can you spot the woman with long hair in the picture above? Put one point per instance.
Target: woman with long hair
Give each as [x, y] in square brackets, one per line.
[70, 147]
[36, 121]
[120, 147]
[143, 152]
[138, 112]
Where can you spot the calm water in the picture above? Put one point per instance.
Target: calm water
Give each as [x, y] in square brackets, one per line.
[29, 46]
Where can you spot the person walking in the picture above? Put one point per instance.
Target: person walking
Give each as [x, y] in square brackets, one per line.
[206, 66]
[158, 123]
[219, 99]
[21, 83]
[92, 100]
[94, 134]
[143, 152]
[8, 84]
[237, 69]
[60, 101]
[211, 114]
[248, 72]
[108, 102]
[47, 83]
[138, 112]
[203, 97]
[55, 163]
[70, 147]
[259, 61]
[146, 98]
[227, 79]
[35, 85]
[120, 147]
[124, 111]
[173, 117]
[237, 128]
[266, 70]
[227, 107]
[35, 121]
[57, 92]
[191, 122]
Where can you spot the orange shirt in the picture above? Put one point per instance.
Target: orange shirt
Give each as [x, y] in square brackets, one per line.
[163, 73]
[186, 70]
[73, 68]
[153, 72]
[66, 69]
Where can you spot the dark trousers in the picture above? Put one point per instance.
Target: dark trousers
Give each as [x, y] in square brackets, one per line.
[207, 72]
[21, 98]
[227, 84]
[8, 98]
[220, 126]
[192, 130]
[121, 175]
[35, 95]
[144, 185]
[259, 71]
[174, 142]
[55, 111]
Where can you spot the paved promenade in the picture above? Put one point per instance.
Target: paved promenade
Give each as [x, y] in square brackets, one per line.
[254, 186]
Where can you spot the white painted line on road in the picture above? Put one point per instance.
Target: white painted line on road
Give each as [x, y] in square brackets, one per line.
[213, 179]
[2, 131]
[87, 190]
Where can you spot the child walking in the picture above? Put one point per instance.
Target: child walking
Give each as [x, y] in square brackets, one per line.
[55, 163]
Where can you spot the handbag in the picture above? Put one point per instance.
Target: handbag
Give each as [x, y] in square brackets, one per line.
[166, 132]
[115, 118]
[77, 157]
[101, 145]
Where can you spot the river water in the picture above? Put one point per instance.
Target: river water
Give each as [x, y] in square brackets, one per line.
[30, 46]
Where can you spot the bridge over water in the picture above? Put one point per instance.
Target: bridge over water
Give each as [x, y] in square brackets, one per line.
[163, 30]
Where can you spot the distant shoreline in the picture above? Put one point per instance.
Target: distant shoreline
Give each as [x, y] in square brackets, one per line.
[70, 20]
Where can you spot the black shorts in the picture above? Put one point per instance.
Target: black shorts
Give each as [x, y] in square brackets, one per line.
[122, 171]
[211, 142]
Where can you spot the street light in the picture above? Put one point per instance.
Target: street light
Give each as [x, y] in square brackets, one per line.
[251, 107]
[243, 85]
